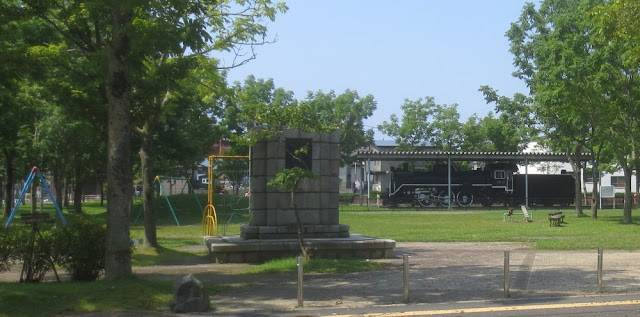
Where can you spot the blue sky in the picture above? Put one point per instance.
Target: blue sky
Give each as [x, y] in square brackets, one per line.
[393, 50]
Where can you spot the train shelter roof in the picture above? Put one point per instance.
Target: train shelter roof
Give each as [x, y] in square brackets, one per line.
[468, 156]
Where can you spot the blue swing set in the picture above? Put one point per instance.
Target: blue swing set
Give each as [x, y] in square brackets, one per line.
[32, 175]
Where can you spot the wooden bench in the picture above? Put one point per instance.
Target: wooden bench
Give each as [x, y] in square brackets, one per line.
[527, 216]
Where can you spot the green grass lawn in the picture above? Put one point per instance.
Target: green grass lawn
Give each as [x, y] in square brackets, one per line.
[607, 231]
[424, 225]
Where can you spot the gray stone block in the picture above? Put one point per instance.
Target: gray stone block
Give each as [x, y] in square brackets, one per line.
[324, 151]
[316, 151]
[286, 217]
[309, 200]
[309, 217]
[310, 185]
[259, 151]
[333, 217]
[324, 168]
[334, 137]
[284, 200]
[268, 229]
[258, 185]
[272, 217]
[273, 167]
[333, 151]
[258, 168]
[276, 150]
[334, 185]
[258, 201]
[258, 217]
[334, 168]
[249, 229]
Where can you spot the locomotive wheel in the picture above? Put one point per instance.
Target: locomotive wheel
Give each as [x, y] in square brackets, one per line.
[424, 199]
[443, 198]
[464, 198]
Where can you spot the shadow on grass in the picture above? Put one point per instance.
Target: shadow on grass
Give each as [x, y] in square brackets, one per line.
[146, 256]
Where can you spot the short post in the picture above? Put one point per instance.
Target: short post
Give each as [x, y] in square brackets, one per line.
[600, 255]
[506, 275]
[405, 277]
[300, 274]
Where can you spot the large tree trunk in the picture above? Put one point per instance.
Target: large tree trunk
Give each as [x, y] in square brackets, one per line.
[66, 194]
[628, 200]
[58, 184]
[8, 191]
[119, 173]
[595, 197]
[577, 166]
[77, 194]
[146, 164]
[101, 192]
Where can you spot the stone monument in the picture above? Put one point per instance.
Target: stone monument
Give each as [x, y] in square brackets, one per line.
[272, 231]
[272, 214]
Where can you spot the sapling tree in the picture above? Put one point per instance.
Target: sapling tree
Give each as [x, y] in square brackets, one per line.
[289, 179]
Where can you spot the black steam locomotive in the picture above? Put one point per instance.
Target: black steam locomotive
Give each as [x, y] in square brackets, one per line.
[497, 183]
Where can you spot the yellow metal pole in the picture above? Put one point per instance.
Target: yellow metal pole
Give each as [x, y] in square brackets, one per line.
[209, 216]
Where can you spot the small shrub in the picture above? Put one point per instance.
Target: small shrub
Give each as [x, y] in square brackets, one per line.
[80, 248]
[9, 251]
[18, 245]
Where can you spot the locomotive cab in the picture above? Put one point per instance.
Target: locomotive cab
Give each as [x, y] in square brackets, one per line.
[501, 175]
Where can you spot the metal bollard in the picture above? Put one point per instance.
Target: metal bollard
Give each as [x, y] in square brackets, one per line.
[300, 274]
[600, 256]
[507, 280]
[405, 277]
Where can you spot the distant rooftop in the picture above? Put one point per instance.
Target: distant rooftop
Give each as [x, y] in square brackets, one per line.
[385, 142]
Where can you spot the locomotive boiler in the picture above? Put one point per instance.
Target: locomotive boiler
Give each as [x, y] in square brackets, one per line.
[496, 183]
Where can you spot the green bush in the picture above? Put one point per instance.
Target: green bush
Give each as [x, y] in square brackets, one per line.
[9, 241]
[17, 244]
[80, 248]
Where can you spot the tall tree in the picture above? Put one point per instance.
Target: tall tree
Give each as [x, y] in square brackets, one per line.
[176, 106]
[617, 23]
[116, 37]
[18, 32]
[555, 55]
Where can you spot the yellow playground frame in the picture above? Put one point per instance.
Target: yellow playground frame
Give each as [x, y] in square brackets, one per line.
[209, 216]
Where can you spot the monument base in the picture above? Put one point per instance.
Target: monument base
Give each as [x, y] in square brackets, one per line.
[291, 231]
[234, 249]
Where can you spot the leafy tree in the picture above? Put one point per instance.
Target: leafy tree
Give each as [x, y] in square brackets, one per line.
[17, 33]
[515, 126]
[164, 93]
[347, 112]
[256, 102]
[555, 55]
[118, 38]
[446, 125]
[616, 24]
[415, 128]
